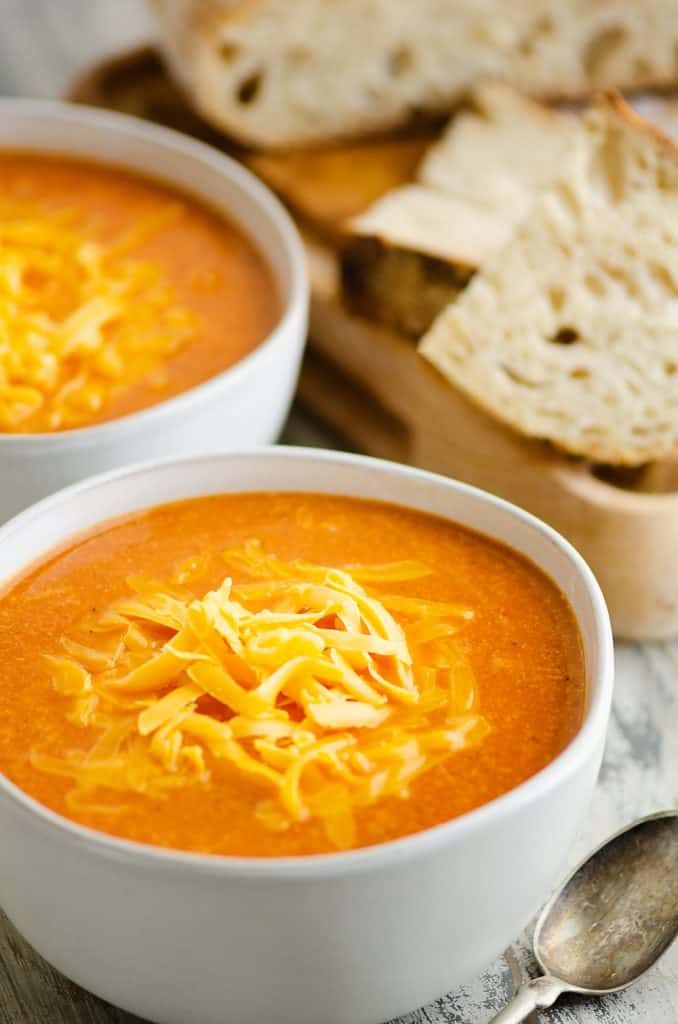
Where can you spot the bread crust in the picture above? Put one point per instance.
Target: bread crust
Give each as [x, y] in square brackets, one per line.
[612, 101]
[403, 289]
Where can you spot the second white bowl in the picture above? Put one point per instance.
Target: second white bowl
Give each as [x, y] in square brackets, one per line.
[243, 406]
[342, 938]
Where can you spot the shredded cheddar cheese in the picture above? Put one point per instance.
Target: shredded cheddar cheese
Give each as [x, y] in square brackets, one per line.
[79, 320]
[324, 693]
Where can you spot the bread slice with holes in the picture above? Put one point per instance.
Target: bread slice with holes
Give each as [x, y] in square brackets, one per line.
[500, 151]
[276, 73]
[570, 332]
[413, 251]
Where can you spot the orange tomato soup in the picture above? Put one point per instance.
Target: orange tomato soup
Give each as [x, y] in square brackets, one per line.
[486, 686]
[117, 292]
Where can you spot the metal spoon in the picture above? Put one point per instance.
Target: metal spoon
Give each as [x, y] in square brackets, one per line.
[611, 920]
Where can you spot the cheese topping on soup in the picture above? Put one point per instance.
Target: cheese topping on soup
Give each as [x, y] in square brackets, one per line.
[116, 293]
[302, 680]
[356, 673]
[79, 321]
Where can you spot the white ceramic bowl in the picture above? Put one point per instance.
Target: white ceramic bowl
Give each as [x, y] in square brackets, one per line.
[346, 938]
[246, 404]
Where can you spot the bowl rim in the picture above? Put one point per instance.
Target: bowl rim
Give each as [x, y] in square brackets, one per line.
[254, 192]
[382, 855]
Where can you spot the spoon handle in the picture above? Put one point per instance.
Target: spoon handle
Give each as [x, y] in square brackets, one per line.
[536, 995]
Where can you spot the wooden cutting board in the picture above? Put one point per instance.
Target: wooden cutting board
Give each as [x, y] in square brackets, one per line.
[370, 385]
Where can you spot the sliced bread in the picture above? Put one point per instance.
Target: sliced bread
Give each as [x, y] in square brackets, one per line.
[501, 151]
[570, 332]
[275, 73]
[411, 252]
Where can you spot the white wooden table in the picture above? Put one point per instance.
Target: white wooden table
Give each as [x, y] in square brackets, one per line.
[43, 43]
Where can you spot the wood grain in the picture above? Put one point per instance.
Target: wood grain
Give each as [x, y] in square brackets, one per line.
[42, 46]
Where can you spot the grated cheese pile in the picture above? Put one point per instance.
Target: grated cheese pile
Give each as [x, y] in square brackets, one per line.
[326, 695]
[79, 320]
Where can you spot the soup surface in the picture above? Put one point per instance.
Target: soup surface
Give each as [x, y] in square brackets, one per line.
[116, 292]
[434, 672]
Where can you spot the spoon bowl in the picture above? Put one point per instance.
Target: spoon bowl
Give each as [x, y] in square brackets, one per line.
[611, 920]
[617, 913]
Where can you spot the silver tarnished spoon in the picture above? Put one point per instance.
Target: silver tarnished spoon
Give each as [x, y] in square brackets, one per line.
[611, 920]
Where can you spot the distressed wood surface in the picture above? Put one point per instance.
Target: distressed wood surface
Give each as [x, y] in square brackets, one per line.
[43, 43]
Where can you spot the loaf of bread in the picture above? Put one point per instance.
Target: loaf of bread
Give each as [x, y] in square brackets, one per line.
[411, 252]
[279, 73]
[570, 331]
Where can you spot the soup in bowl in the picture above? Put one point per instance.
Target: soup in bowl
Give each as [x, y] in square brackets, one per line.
[154, 292]
[289, 729]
